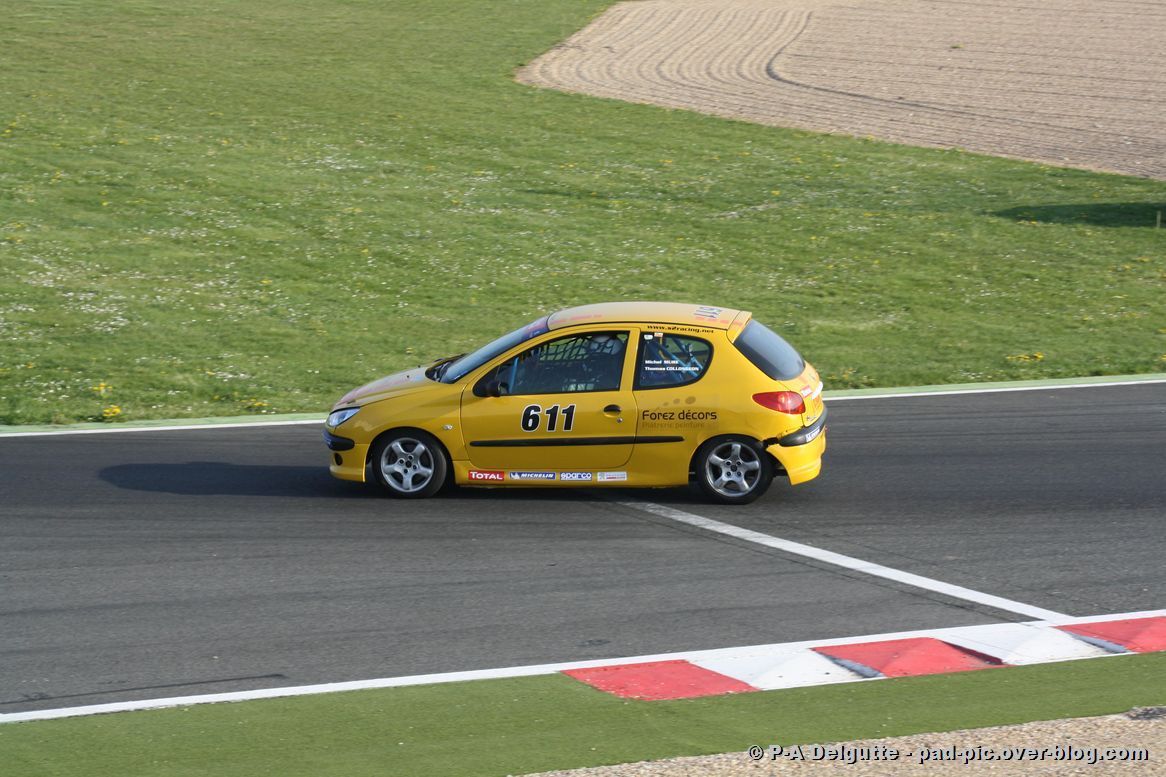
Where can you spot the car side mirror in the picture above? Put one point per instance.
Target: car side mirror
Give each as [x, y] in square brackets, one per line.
[497, 388]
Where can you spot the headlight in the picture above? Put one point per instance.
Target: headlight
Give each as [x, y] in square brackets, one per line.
[337, 417]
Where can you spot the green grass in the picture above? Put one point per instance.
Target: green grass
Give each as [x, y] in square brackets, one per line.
[228, 206]
[499, 727]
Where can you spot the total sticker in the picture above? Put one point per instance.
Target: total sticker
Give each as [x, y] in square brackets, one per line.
[610, 476]
[487, 474]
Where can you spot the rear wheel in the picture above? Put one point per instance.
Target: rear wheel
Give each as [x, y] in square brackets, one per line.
[733, 470]
[410, 464]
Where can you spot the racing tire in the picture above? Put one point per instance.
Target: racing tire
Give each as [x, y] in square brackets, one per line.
[409, 464]
[732, 470]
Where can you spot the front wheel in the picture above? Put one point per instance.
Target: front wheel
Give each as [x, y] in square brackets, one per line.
[410, 464]
[733, 470]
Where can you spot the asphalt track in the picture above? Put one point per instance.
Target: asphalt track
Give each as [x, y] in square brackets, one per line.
[156, 564]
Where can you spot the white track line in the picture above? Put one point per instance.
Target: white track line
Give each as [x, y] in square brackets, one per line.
[177, 428]
[889, 394]
[849, 562]
[512, 671]
[993, 390]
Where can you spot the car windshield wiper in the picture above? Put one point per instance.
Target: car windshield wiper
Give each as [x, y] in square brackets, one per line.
[437, 371]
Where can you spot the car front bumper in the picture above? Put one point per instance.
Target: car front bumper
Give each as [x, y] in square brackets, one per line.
[337, 443]
[348, 457]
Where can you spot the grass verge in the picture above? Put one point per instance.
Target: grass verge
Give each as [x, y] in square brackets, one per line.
[232, 206]
[518, 726]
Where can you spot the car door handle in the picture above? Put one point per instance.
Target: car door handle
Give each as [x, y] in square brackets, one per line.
[613, 409]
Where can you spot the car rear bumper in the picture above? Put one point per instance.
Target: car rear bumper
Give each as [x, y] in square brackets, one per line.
[806, 434]
[800, 452]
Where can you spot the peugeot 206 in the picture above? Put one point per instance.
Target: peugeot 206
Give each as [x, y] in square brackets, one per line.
[627, 394]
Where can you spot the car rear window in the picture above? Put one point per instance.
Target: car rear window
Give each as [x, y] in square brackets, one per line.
[769, 352]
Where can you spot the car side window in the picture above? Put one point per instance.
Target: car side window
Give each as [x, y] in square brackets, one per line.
[668, 360]
[592, 361]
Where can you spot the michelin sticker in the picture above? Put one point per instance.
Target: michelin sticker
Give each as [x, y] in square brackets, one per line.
[532, 476]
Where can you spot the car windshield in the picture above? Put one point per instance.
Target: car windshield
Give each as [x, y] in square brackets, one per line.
[454, 371]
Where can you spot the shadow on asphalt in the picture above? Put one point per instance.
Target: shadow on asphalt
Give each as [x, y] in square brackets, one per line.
[214, 478]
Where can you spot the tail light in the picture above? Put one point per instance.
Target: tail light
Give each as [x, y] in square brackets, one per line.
[782, 401]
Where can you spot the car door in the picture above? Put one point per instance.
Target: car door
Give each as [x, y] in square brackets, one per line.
[675, 403]
[563, 403]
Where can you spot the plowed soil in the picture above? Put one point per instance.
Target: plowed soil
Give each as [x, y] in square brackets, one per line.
[1066, 82]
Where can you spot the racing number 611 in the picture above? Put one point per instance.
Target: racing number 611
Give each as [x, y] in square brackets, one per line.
[532, 416]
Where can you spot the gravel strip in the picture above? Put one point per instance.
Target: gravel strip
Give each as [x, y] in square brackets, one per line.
[1138, 729]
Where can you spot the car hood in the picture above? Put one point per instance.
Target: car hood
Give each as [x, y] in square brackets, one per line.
[398, 383]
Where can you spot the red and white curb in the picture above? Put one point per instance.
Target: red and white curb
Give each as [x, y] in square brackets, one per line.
[960, 649]
[761, 667]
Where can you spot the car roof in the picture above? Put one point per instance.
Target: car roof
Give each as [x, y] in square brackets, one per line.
[709, 316]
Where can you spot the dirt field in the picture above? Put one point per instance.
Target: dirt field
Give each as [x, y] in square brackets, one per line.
[1068, 82]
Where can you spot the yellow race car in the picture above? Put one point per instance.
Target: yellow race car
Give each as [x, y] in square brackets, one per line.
[614, 394]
